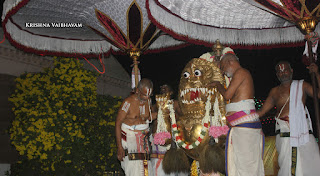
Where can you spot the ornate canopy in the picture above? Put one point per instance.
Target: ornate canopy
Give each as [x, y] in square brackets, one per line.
[240, 23]
[83, 27]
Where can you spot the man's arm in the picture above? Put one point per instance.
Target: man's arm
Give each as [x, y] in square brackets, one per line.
[154, 116]
[267, 105]
[177, 108]
[313, 68]
[237, 79]
[119, 120]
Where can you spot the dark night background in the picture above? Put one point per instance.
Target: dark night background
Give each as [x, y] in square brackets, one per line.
[166, 67]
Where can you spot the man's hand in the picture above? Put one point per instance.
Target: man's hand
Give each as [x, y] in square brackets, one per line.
[313, 68]
[120, 153]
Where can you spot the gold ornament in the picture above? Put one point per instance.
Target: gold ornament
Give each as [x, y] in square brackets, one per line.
[217, 49]
[194, 168]
[307, 24]
[193, 94]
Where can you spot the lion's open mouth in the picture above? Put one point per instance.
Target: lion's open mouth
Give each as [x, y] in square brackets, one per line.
[193, 95]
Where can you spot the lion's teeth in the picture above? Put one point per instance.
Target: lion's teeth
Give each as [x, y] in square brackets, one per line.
[204, 90]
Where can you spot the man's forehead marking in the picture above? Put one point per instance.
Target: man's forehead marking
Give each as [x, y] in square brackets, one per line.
[281, 67]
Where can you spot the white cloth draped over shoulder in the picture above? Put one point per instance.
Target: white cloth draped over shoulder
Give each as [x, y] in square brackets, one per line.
[308, 157]
[299, 123]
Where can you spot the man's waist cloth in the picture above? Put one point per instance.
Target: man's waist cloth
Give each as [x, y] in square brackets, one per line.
[287, 134]
[137, 156]
[243, 117]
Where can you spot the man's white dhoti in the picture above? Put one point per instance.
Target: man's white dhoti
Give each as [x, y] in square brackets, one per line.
[298, 150]
[308, 157]
[135, 143]
[244, 147]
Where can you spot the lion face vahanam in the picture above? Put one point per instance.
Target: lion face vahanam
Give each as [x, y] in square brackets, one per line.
[193, 95]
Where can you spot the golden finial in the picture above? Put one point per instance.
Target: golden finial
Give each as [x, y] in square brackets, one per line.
[217, 49]
[307, 24]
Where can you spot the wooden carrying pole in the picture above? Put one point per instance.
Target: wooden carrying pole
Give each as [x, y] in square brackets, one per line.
[135, 54]
[315, 90]
[135, 68]
[307, 25]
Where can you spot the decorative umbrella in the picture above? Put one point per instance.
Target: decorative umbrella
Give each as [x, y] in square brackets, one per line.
[243, 24]
[83, 28]
[235, 23]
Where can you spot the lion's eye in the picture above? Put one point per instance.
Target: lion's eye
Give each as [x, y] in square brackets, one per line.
[186, 74]
[197, 72]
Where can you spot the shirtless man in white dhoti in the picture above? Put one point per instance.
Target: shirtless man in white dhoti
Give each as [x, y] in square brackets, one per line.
[244, 145]
[132, 128]
[297, 148]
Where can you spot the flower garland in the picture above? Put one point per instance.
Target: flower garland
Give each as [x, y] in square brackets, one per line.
[216, 131]
[205, 124]
[161, 134]
[216, 128]
[161, 125]
[207, 56]
[160, 138]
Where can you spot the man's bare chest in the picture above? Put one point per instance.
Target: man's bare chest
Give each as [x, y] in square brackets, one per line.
[139, 110]
[282, 96]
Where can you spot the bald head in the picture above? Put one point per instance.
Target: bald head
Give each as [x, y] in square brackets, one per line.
[229, 64]
[230, 56]
[145, 88]
[145, 83]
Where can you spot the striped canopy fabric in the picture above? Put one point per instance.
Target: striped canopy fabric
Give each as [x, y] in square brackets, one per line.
[237, 23]
[70, 27]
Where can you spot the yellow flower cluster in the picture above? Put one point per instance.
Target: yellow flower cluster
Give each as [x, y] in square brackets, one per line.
[55, 116]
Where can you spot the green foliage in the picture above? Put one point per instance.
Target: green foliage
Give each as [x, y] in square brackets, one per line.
[61, 126]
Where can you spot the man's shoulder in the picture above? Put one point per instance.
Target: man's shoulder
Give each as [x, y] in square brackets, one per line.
[242, 74]
[306, 84]
[242, 71]
[130, 98]
[274, 89]
[275, 92]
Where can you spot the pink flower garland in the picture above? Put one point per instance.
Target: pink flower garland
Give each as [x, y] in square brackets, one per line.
[160, 138]
[216, 131]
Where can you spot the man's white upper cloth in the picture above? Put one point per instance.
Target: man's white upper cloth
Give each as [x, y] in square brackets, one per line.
[299, 123]
[308, 157]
